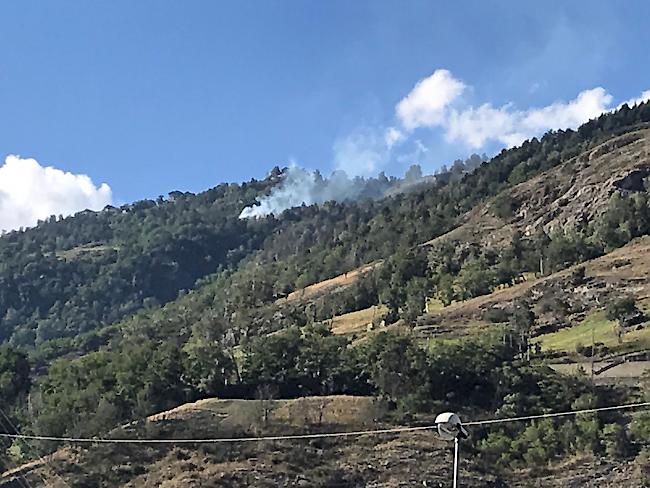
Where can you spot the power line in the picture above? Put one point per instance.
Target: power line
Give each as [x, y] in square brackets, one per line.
[395, 430]
[43, 459]
[221, 439]
[23, 482]
[558, 414]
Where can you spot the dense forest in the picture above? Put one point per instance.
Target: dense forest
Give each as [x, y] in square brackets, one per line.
[70, 276]
[110, 316]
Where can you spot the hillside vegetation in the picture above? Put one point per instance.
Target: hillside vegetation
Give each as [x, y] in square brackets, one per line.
[454, 295]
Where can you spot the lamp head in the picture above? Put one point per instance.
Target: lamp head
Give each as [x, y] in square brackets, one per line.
[450, 427]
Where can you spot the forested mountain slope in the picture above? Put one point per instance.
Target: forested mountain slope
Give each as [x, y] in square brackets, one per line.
[70, 276]
[569, 197]
[143, 308]
[66, 277]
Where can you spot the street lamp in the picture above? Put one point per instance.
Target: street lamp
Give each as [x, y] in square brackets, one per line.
[451, 428]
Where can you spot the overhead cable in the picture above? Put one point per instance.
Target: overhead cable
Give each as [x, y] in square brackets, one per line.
[394, 430]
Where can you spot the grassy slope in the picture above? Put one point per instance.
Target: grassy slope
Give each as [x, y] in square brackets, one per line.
[625, 270]
[355, 322]
[604, 331]
[584, 187]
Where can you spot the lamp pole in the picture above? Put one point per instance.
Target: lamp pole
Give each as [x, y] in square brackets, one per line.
[450, 428]
[456, 453]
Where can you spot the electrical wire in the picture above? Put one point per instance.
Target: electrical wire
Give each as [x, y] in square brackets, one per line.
[558, 414]
[42, 459]
[395, 430]
[23, 482]
[98, 440]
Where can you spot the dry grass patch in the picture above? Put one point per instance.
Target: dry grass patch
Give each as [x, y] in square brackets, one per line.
[356, 322]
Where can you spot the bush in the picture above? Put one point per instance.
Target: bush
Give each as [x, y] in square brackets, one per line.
[618, 309]
[617, 444]
[495, 448]
[578, 276]
[580, 348]
[640, 427]
[504, 206]
[496, 315]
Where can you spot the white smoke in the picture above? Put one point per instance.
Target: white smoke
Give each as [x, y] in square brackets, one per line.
[393, 136]
[300, 186]
[30, 192]
[435, 103]
[364, 151]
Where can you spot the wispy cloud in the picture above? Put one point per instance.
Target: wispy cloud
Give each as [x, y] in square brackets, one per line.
[435, 103]
[393, 136]
[29, 192]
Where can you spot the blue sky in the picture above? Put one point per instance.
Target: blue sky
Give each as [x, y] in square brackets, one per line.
[154, 96]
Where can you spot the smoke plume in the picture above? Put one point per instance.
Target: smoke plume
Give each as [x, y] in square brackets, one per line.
[299, 186]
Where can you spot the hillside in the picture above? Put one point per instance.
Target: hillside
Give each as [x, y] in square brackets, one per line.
[561, 198]
[464, 293]
[55, 278]
[566, 197]
[388, 460]
[624, 271]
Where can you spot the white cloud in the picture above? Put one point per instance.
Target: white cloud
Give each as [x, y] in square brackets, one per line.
[366, 150]
[420, 146]
[475, 126]
[509, 126]
[29, 192]
[435, 102]
[559, 115]
[426, 104]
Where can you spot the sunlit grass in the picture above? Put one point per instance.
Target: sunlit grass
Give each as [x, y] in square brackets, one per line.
[470, 331]
[356, 322]
[434, 305]
[594, 327]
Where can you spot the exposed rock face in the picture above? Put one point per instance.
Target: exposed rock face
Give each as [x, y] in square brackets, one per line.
[635, 318]
[569, 196]
[636, 181]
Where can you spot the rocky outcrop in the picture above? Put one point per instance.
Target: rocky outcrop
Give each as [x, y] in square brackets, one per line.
[635, 181]
[568, 197]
